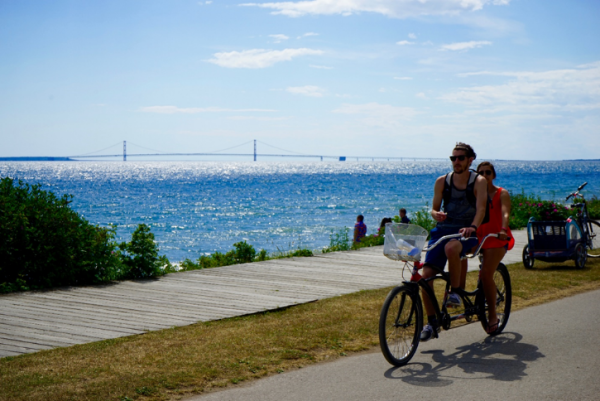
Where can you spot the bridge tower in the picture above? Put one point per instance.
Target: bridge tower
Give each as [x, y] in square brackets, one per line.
[124, 151]
[255, 150]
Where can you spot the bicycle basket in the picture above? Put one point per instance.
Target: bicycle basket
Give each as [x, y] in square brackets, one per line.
[404, 241]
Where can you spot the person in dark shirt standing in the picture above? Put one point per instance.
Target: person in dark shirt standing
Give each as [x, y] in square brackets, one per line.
[360, 228]
[403, 218]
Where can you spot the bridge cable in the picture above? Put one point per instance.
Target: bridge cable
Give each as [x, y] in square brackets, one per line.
[285, 150]
[96, 151]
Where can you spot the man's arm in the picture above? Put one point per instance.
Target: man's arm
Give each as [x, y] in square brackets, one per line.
[481, 200]
[480, 205]
[436, 204]
[355, 233]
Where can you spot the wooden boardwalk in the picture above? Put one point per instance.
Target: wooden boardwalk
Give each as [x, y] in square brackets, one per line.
[40, 320]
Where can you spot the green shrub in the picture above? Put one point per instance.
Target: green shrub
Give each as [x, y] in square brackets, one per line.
[523, 207]
[370, 240]
[43, 243]
[338, 241]
[593, 206]
[243, 253]
[140, 256]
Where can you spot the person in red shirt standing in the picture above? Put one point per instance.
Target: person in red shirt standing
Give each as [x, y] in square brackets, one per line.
[494, 249]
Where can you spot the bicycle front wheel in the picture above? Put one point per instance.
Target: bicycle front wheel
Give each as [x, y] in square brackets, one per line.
[593, 239]
[503, 300]
[400, 325]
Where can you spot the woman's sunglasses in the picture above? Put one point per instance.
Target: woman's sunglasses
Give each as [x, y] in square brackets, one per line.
[461, 158]
[485, 172]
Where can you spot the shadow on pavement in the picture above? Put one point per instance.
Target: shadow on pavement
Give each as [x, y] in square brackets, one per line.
[503, 358]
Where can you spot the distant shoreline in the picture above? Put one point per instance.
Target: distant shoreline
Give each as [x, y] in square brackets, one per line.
[69, 159]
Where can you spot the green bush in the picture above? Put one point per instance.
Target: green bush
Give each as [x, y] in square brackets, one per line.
[523, 207]
[243, 253]
[140, 257]
[593, 206]
[370, 240]
[43, 243]
[338, 241]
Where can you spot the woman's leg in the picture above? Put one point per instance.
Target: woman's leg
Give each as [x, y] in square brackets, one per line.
[491, 259]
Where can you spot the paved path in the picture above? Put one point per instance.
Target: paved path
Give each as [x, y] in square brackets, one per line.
[547, 352]
[39, 320]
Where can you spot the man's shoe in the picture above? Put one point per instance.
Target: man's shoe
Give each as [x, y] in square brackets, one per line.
[429, 332]
[454, 301]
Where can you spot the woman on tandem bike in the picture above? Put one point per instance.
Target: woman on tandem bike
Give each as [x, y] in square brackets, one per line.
[494, 249]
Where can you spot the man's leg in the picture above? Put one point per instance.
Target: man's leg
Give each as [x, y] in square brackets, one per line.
[453, 250]
[463, 273]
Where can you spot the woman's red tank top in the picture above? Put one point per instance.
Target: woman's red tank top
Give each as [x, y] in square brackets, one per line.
[494, 226]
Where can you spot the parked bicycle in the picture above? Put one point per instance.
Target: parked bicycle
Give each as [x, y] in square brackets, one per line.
[558, 241]
[401, 319]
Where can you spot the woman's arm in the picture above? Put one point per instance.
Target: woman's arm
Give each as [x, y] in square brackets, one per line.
[505, 203]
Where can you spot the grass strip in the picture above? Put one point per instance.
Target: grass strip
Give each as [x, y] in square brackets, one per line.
[172, 363]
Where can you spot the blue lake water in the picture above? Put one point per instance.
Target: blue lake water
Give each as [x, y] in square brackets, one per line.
[203, 207]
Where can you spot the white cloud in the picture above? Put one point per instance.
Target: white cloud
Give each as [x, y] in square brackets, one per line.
[390, 8]
[309, 90]
[254, 118]
[322, 67]
[307, 34]
[259, 58]
[403, 78]
[422, 95]
[412, 36]
[405, 42]
[466, 45]
[278, 38]
[555, 91]
[195, 110]
[379, 115]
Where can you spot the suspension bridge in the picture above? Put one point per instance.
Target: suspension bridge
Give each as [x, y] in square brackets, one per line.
[96, 155]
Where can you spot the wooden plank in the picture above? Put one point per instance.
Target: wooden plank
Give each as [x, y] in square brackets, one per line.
[37, 345]
[55, 319]
[65, 328]
[149, 315]
[49, 310]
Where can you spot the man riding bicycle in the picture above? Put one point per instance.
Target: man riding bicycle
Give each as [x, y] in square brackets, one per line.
[464, 196]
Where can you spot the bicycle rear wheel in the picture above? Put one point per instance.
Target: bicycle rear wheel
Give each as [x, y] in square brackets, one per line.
[400, 325]
[503, 300]
[594, 239]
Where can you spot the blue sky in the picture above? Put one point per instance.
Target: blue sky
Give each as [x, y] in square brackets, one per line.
[516, 79]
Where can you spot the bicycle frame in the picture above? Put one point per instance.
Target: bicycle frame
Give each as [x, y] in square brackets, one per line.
[441, 313]
[582, 213]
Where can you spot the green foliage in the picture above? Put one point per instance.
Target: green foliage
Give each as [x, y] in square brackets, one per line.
[523, 207]
[593, 206]
[423, 218]
[242, 253]
[338, 241]
[140, 256]
[262, 256]
[370, 240]
[43, 243]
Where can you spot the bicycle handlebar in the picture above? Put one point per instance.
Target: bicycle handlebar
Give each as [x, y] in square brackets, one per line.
[574, 194]
[461, 238]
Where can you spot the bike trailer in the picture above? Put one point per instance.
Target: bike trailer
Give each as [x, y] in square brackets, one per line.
[553, 241]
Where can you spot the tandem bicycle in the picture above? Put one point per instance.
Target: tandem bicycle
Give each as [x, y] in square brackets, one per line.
[401, 319]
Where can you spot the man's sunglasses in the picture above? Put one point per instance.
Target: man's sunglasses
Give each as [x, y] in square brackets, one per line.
[485, 172]
[461, 158]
